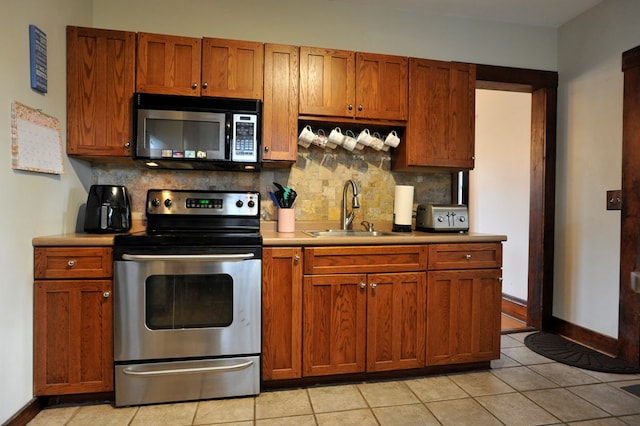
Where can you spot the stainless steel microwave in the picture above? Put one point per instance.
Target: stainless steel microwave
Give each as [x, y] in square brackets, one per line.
[187, 132]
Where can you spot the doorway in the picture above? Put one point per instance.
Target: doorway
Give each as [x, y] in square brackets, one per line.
[542, 85]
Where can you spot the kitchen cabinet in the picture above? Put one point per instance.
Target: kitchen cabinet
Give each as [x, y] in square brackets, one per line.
[73, 320]
[100, 85]
[440, 130]
[175, 65]
[342, 83]
[464, 294]
[168, 64]
[232, 68]
[281, 313]
[356, 318]
[280, 108]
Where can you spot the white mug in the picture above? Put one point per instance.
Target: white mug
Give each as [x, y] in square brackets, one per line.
[376, 143]
[322, 141]
[336, 136]
[392, 139]
[364, 138]
[349, 142]
[306, 137]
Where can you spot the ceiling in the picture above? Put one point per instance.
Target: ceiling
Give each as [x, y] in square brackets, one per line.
[547, 13]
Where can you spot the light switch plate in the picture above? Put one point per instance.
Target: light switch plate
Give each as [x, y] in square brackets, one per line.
[614, 200]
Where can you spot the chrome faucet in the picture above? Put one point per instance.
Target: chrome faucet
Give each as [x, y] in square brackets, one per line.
[347, 218]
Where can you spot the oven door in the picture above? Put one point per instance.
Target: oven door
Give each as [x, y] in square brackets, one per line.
[186, 306]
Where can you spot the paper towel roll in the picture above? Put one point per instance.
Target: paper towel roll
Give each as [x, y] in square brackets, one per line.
[403, 205]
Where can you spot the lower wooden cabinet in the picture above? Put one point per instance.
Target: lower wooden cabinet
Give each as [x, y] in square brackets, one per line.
[281, 313]
[463, 303]
[73, 321]
[357, 322]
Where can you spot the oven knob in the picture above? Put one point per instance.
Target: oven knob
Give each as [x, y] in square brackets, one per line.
[168, 202]
[239, 203]
[251, 204]
[155, 202]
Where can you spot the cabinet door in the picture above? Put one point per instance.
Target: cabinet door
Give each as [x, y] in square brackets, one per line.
[73, 337]
[334, 324]
[463, 316]
[382, 84]
[327, 82]
[281, 313]
[396, 321]
[168, 64]
[232, 68]
[440, 128]
[100, 85]
[280, 107]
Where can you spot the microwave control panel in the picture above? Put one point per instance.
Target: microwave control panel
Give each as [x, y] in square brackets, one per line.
[244, 145]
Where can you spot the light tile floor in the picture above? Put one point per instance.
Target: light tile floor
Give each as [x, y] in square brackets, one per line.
[522, 388]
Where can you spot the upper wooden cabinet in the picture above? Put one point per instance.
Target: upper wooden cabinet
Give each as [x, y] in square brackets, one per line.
[342, 83]
[232, 68]
[100, 85]
[441, 126]
[280, 107]
[168, 64]
[199, 67]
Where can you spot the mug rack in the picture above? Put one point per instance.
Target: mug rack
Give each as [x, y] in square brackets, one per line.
[318, 134]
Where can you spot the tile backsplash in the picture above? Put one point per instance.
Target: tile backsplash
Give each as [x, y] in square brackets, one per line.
[318, 177]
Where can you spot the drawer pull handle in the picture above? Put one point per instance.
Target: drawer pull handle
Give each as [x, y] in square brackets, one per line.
[106, 294]
[468, 257]
[71, 263]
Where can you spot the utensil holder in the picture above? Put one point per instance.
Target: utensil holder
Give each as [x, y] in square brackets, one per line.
[287, 220]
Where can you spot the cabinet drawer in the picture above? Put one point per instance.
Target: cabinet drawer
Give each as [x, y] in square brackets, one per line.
[358, 259]
[65, 262]
[465, 256]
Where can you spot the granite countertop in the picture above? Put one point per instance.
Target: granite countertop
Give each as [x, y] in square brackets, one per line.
[299, 238]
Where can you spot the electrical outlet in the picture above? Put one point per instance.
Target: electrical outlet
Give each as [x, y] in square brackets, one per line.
[614, 200]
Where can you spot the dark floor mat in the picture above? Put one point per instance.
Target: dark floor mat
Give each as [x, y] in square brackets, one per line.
[565, 351]
[633, 389]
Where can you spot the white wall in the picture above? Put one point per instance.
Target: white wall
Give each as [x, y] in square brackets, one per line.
[338, 24]
[586, 278]
[499, 183]
[34, 204]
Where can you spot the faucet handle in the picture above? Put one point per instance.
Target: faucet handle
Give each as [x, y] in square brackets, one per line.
[367, 225]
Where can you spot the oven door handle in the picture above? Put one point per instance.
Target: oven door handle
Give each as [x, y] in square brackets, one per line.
[221, 369]
[189, 257]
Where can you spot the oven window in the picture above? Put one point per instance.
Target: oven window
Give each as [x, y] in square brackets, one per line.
[188, 301]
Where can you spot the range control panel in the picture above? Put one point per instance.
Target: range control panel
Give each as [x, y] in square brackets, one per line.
[203, 203]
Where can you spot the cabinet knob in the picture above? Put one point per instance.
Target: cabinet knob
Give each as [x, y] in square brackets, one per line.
[106, 294]
[350, 107]
[127, 144]
[363, 285]
[360, 107]
[296, 257]
[71, 263]
[194, 86]
[468, 257]
[374, 285]
[205, 85]
[266, 149]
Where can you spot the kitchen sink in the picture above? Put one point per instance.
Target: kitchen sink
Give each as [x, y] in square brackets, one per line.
[337, 233]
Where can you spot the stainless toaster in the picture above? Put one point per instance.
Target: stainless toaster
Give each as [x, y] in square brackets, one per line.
[442, 218]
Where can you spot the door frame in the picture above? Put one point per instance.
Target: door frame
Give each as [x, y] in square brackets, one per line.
[543, 86]
[629, 302]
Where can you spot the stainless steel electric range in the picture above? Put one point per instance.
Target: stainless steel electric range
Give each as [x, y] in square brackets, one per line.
[187, 297]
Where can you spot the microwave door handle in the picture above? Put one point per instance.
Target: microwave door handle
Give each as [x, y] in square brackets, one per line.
[188, 257]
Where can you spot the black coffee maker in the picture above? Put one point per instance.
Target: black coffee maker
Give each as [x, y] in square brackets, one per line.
[108, 209]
